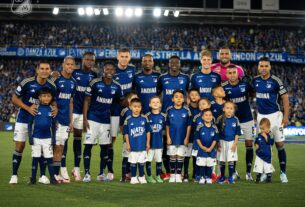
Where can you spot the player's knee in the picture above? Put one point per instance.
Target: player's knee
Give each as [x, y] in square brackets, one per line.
[77, 133]
[279, 145]
[231, 163]
[222, 163]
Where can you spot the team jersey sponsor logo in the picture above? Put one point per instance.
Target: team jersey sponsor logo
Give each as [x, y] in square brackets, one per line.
[148, 90]
[137, 131]
[156, 128]
[239, 99]
[126, 86]
[205, 90]
[64, 95]
[34, 100]
[262, 95]
[104, 100]
[169, 91]
[82, 89]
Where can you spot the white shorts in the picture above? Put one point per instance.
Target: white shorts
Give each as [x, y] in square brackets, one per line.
[226, 154]
[42, 147]
[261, 166]
[21, 132]
[189, 149]
[98, 133]
[115, 125]
[194, 153]
[125, 153]
[173, 150]
[206, 161]
[276, 125]
[248, 130]
[77, 121]
[154, 153]
[62, 134]
[137, 157]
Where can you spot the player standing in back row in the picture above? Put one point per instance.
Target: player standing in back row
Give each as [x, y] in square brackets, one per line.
[268, 90]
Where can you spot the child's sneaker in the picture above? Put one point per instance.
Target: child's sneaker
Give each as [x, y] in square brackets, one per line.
[214, 177]
[64, 174]
[249, 177]
[186, 178]
[14, 179]
[127, 177]
[134, 180]
[123, 179]
[222, 180]
[32, 181]
[87, 178]
[231, 180]
[268, 180]
[142, 180]
[101, 177]
[110, 176]
[159, 180]
[178, 178]
[44, 180]
[58, 178]
[76, 174]
[166, 176]
[283, 177]
[258, 180]
[172, 178]
[236, 176]
[202, 181]
[263, 177]
[209, 181]
[197, 179]
[150, 179]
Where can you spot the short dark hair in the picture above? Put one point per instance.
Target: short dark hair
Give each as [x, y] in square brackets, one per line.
[88, 53]
[206, 110]
[205, 99]
[109, 62]
[178, 91]
[231, 66]
[264, 59]
[124, 49]
[135, 100]
[148, 55]
[193, 89]
[44, 61]
[129, 94]
[174, 57]
[45, 90]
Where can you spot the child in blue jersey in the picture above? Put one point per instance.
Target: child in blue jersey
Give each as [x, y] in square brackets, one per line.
[218, 103]
[157, 123]
[194, 97]
[178, 129]
[263, 145]
[124, 114]
[229, 130]
[204, 103]
[136, 132]
[42, 129]
[206, 137]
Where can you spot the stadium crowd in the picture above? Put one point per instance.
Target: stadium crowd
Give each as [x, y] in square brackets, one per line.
[12, 71]
[155, 36]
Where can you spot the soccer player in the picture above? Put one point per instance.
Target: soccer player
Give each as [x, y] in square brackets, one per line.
[83, 76]
[218, 103]
[225, 55]
[206, 137]
[137, 131]
[124, 75]
[167, 84]
[178, 129]
[239, 91]
[124, 114]
[194, 97]
[26, 98]
[100, 95]
[42, 127]
[157, 123]
[145, 82]
[263, 145]
[268, 89]
[205, 80]
[66, 86]
[229, 130]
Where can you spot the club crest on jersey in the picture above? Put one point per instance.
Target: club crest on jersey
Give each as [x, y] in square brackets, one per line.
[268, 85]
[142, 122]
[131, 124]
[242, 89]
[166, 82]
[181, 81]
[212, 134]
[183, 115]
[202, 133]
[155, 80]
[49, 113]
[100, 90]
[160, 121]
[62, 86]
[130, 75]
[117, 78]
[18, 88]
[256, 85]
[141, 81]
[213, 80]
[199, 81]
[229, 92]
[78, 78]
[33, 90]
[233, 124]
[172, 115]
[112, 92]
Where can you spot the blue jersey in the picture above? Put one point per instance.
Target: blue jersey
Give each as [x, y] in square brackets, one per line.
[157, 125]
[178, 120]
[194, 112]
[217, 109]
[267, 94]
[42, 125]
[205, 82]
[82, 81]
[65, 91]
[239, 94]
[125, 77]
[146, 87]
[167, 84]
[228, 128]
[197, 120]
[137, 128]
[102, 98]
[28, 91]
[207, 135]
[264, 147]
[124, 114]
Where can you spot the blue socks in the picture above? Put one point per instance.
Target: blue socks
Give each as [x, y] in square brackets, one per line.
[173, 166]
[148, 168]
[35, 161]
[133, 168]
[16, 160]
[231, 168]
[282, 159]
[64, 155]
[186, 165]
[249, 159]
[42, 165]
[179, 165]
[77, 149]
[103, 158]
[110, 160]
[87, 157]
[124, 166]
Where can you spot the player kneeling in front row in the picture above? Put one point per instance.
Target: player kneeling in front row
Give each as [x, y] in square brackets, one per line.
[136, 131]
[206, 137]
[41, 136]
[178, 129]
[263, 144]
[157, 123]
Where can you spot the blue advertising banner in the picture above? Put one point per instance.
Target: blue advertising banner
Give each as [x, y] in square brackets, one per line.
[294, 131]
[137, 54]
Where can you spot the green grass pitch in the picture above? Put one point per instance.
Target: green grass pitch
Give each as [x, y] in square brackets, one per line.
[96, 193]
